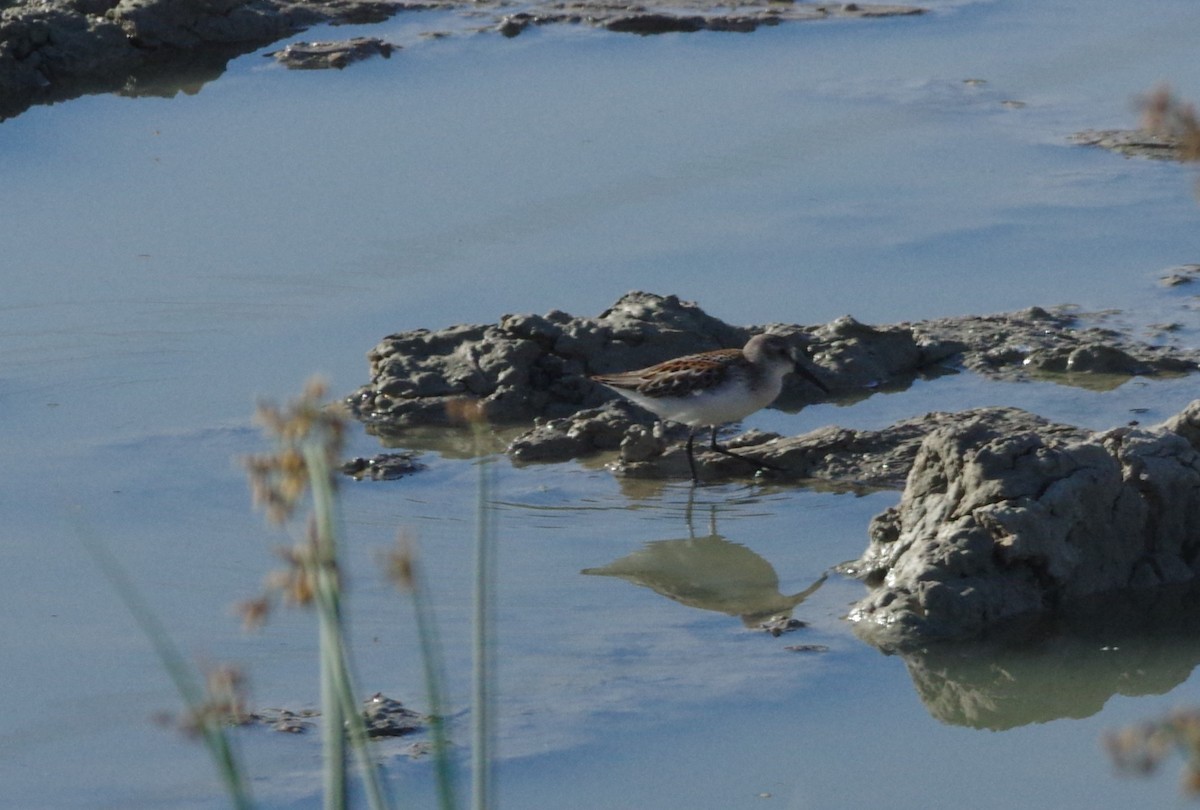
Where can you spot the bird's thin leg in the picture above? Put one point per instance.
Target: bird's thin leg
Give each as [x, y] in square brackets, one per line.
[691, 458]
[762, 465]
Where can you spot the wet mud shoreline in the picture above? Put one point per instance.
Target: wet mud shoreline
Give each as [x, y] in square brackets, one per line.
[1003, 513]
[534, 370]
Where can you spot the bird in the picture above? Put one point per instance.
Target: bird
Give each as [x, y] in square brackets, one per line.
[712, 388]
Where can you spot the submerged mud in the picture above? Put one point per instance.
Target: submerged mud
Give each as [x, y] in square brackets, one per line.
[52, 50]
[1134, 143]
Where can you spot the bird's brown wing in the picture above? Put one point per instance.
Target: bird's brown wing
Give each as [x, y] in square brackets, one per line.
[678, 377]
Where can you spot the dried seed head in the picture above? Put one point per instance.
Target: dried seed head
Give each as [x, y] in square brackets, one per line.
[1190, 781]
[280, 481]
[315, 389]
[254, 612]
[1156, 106]
[224, 702]
[1168, 117]
[402, 562]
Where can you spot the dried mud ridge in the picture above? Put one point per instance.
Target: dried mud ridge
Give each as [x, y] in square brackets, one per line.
[1003, 514]
[52, 50]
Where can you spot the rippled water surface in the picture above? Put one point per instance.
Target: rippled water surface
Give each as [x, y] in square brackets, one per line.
[167, 261]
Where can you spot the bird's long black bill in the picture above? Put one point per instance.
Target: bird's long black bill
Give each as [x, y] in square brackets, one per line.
[801, 371]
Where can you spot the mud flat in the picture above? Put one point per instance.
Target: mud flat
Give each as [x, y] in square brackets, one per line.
[1003, 515]
[534, 370]
[1131, 143]
[52, 50]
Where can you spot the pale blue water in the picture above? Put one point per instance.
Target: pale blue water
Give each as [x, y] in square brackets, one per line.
[167, 261]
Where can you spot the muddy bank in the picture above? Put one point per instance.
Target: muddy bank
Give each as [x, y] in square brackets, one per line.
[692, 15]
[996, 524]
[52, 50]
[535, 368]
[60, 49]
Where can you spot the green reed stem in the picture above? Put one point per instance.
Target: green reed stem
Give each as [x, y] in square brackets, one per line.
[329, 620]
[338, 701]
[482, 673]
[431, 660]
[173, 661]
[332, 722]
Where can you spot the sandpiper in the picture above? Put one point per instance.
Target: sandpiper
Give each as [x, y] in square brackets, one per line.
[712, 388]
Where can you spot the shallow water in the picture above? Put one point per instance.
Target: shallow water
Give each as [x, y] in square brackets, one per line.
[168, 260]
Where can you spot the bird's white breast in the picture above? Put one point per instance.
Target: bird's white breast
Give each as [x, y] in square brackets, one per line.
[712, 406]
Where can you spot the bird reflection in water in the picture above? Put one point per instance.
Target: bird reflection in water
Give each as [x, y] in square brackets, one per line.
[710, 573]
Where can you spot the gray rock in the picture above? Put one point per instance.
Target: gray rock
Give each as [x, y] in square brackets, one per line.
[382, 467]
[995, 524]
[386, 717]
[325, 55]
[609, 427]
[862, 356]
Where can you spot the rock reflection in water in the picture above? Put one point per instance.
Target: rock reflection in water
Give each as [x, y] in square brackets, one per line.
[709, 573]
[1143, 644]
